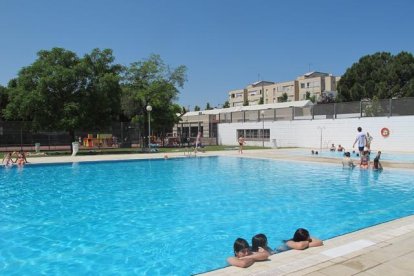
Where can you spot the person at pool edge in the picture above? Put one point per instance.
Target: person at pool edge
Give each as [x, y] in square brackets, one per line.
[243, 256]
[377, 164]
[302, 240]
[259, 244]
[7, 159]
[362, 141]
[241, 143]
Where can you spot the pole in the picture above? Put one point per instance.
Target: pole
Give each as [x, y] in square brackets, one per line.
[262, 112]
[149, 130]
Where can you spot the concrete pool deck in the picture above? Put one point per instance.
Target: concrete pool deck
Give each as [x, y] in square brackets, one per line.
[384, 249]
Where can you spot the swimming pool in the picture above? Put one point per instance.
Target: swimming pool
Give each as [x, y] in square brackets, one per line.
[385, 156]
[179, 216]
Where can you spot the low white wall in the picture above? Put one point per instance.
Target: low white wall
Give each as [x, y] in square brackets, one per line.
[307, 133]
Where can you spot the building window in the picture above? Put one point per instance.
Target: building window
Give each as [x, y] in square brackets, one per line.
[302, 85]
[254, 134]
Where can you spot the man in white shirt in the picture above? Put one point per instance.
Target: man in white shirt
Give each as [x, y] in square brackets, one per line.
[362, 141]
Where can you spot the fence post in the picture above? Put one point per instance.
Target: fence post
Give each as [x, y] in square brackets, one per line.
[390, 108]
[360, 109]
[334, 110]
[312, 112]
[293, 112]
[274, 115]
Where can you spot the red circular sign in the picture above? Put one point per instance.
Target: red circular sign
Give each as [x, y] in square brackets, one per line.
[385, 132]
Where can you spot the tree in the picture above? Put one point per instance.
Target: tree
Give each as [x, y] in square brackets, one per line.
[151, 82]
[226, 104]
[283, 98]
[261, 100]
[382, 75]
[208, 107]
[309, 97]
[60, 91]
[196, 108]
[3, 100]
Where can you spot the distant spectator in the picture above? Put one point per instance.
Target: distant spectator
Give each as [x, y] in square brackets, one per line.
[369, 141]
[340, 148]
[333, 148]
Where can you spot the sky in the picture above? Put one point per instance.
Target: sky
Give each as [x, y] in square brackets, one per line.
[225, 44]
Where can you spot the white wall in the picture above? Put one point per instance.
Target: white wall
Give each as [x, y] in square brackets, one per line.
[307, 133]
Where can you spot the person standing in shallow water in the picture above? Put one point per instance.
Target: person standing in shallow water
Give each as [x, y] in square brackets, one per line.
[241, 143]
[362, 141]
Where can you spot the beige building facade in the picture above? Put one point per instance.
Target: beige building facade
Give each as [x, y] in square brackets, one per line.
[315, 84]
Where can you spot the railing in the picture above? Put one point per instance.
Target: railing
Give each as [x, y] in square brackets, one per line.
[374, 108]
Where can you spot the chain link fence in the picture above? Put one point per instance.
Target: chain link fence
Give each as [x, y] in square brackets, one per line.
[18, 136]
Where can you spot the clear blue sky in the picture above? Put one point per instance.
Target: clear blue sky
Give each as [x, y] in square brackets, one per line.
[225, 44]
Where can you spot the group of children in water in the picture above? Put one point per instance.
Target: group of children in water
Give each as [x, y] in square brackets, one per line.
[364, 161]
[20, 158]
[245, 256]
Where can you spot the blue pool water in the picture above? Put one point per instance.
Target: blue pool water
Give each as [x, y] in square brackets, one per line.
[179, 216]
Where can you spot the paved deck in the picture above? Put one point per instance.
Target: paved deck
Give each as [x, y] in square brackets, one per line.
[384, 249]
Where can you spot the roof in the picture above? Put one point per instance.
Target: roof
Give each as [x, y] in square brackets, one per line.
[250, 107]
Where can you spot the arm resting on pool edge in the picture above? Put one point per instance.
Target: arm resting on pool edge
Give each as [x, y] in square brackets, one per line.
[248, 260]
[240, 262]
[315, 242]
[312, 242]
[298, 245]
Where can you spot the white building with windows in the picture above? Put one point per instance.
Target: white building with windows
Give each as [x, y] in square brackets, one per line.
[311, 84]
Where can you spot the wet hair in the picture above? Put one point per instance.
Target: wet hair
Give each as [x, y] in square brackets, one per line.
[240, 244]
[359, 129]
[312, 151]
[301, 235]
[316, 152]
[347, 154]
[260, 240]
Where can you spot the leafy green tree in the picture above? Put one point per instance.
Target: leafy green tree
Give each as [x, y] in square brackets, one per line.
[60, 91]
[226, 104]
[3, 100]
[382, 75]
[208, 107]
[261, 100]
[151, 82]
[197, 108]
[309, 97]
[283, 98]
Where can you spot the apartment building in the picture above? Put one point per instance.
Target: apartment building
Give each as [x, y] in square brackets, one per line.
[316, 84]
[251, 94]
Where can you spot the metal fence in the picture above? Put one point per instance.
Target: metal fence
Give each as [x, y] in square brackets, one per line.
[373, 108]
[17, 135]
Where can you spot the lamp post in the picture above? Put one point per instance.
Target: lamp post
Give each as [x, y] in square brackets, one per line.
[320, 145]
[149, 109]
[262, 113]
